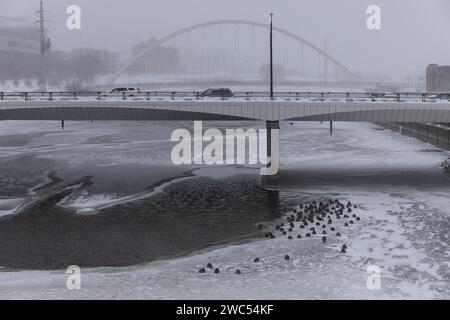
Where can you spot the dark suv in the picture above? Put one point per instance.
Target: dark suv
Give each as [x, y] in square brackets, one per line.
[443, 96]
[219, 92]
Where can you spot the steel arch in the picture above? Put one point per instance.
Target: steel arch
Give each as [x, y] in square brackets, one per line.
[222, 22]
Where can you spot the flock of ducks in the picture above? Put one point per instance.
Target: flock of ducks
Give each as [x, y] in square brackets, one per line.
[306, 221]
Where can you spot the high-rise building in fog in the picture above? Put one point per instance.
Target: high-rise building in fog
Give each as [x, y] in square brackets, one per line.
[438, 78]
[19, 49]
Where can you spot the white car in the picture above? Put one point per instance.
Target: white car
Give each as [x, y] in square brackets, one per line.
[129, 91]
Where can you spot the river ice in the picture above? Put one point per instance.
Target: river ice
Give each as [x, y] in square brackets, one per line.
[396, 181]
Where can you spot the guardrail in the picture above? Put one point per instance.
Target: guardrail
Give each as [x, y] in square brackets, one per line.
[194, 95]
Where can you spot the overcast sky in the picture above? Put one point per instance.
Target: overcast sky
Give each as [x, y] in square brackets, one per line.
[414, 32]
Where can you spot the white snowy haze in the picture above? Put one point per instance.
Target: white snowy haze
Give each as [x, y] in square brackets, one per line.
[413, 34]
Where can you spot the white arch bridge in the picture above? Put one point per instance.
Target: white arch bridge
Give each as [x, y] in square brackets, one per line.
[321, 52]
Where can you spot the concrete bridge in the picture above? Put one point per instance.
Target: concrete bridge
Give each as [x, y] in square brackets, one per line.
[260, 109]
[293, 107]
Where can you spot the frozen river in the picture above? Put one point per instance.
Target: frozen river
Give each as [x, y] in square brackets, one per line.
[105, 196]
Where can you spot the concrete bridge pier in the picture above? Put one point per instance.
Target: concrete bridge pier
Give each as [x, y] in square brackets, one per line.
[270, 173]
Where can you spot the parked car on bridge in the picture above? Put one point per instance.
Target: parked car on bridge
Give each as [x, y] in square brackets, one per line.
[218, 92]
[377, 94]
[440, 96]
[129, 91]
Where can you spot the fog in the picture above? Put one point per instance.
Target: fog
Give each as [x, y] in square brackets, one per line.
[413, 34]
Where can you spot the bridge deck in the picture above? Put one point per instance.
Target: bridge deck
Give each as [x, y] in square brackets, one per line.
[290, 108]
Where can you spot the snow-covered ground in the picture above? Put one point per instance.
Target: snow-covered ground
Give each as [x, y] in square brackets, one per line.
[402, 195]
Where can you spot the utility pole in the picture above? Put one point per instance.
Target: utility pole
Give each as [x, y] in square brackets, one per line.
[44, 47]
[271, 57]
[270, 182]
[41, 27]
[325, 72]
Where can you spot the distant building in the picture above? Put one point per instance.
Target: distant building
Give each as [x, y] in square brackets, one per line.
[160, 60]
[102, 61]
[438, 78]
[19, 49]
[81, 64]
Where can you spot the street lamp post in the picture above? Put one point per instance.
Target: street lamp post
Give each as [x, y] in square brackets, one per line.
[271, 57]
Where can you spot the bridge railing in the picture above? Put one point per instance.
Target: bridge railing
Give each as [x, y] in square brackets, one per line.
[242, 95]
